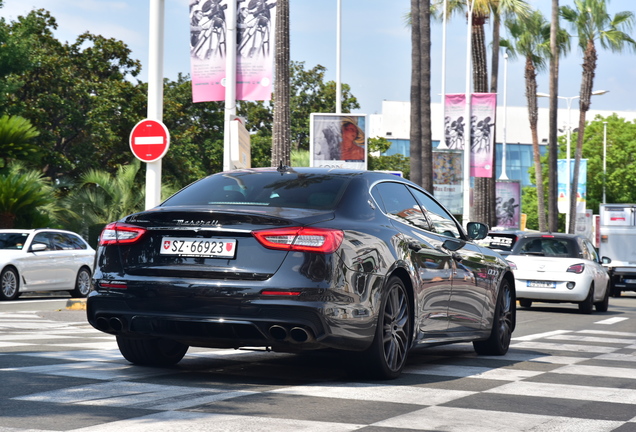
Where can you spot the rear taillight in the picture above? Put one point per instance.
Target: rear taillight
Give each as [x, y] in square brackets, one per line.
[512, 265]
[118, 233]
[576, 268]
[320, 240]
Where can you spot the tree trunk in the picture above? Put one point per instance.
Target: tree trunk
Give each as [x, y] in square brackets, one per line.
[494, 88]
[484, 187]
[553, 144]
[589, 66]
[7, 220]
[416, 95]
[533, 116]
[281, 145]
[425, 97]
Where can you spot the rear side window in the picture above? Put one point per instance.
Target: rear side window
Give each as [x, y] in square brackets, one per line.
[265, 188]
[399, 203]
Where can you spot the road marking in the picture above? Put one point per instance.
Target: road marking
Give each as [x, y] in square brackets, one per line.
[610, 321]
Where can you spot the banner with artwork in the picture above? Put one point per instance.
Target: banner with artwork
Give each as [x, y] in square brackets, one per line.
[508, 201]
[581, 190]
[481, 133]
[254, 49]
[454, 122]
[482, 143]
[447, 179]
[338, 140]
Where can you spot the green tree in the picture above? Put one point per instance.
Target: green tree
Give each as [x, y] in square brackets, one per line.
[16, 135]
[592, 23]
[530, 38]
[78, 95]
[26, 198]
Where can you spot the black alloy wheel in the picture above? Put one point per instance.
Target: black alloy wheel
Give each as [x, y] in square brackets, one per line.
[502, 326]
[388, 352]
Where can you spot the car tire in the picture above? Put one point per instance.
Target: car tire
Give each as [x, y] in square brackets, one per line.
[525, 303]
[503, 324]
[603, 305]
[387, 355]
[587, 305]
[616, 292]
[151, 352]
[82, 283]
[9, 284]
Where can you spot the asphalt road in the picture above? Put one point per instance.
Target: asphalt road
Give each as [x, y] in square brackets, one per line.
[564, 371]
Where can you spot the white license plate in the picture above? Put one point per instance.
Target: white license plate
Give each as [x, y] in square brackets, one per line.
[630, 281]
[541, 284]
[188, 247]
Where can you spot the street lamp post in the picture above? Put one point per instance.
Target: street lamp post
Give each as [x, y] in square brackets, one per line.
[604, 157]
[503, 175]
[568, 181]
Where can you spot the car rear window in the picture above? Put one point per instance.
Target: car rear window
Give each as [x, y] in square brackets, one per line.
[547, 246]
[264, 188]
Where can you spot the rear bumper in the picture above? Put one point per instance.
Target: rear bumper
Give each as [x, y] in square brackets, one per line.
[319, 318]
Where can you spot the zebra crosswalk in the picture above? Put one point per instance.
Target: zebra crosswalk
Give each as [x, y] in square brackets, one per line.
[561, 380]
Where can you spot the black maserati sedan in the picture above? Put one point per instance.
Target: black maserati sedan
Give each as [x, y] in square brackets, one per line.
[295, 259]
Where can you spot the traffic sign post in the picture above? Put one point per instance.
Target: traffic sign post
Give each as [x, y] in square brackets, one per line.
[149, 140]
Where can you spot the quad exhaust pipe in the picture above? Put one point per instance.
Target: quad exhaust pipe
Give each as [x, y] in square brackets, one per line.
[110, 325]
[295, 334]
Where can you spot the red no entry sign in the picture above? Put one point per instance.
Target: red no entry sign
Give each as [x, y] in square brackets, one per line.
[149, 140]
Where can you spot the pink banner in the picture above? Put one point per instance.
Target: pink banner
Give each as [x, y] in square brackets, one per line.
[254, 49]
[454, 122]
[508, 201]
[483, 110]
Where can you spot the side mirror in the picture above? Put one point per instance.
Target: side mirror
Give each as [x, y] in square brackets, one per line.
[477, 230]
[38, 247]
[606, 260]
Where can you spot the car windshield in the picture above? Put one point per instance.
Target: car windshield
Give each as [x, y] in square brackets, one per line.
[264, 188]
[13, 240]
[546, 246]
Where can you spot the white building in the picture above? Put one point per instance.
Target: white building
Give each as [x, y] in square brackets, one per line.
[394, 125]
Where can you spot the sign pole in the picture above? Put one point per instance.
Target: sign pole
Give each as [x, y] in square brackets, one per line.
[230, 82]
[155, 94]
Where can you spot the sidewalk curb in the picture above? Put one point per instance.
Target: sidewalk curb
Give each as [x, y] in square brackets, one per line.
[76, 304]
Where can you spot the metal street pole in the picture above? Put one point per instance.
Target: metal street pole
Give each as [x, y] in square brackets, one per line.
[155, 94]
[230, 82]
[467, 131]
[604, 158]
[503, 175]
[338, 57]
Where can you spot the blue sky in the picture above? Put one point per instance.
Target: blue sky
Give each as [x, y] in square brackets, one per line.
[375, 46]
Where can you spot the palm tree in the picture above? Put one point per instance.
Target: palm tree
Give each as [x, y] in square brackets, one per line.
[553, 146]
[281, 145]
[531, 39]
[421, 145]
[26, 197]
[15, 136]
[591, 23]
[484, 191]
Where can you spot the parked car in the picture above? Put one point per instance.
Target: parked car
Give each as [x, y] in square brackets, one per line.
[300, 259]
[44, 260]
[553, 267]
